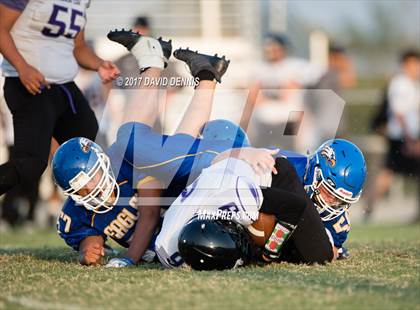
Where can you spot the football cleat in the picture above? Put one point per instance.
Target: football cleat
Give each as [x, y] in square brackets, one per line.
[127, 38]
[200, 62]
[142, 47]
[166, 47]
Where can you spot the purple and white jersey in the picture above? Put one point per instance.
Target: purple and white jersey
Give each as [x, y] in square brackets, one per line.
[44, 35]
[228, 189]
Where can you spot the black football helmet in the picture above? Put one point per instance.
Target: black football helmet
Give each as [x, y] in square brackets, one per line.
[214, 244]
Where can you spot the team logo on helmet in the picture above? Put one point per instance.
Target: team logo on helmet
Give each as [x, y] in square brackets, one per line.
[85, 144]
[328, 153]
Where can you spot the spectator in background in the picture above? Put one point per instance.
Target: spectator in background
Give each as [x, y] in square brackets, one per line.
[340, 73]
[324, 105]
[275, 91]
[403, 129]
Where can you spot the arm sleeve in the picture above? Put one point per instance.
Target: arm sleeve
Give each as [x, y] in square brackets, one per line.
[286, 206]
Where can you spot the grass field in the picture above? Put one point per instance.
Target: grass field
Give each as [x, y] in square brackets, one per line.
[37, 271]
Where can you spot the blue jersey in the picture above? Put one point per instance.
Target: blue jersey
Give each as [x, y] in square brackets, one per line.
[137, 154]
[339, 229]
[75, 222]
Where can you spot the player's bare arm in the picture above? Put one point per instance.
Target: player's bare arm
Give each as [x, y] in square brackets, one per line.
[149, 214]
[31, 78]
[91, 251]
[87, 59]
[260, 159]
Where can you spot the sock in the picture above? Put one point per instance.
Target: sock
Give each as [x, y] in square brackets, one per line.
[205, 75]
[148, 53]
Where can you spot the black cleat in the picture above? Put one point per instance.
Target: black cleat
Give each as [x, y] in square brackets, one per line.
[128, 38]
[200, 62]
[166, 47]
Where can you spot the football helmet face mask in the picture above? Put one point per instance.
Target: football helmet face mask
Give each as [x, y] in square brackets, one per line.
[221, 129]
[213, 244]
[334, 178]
[83, 171]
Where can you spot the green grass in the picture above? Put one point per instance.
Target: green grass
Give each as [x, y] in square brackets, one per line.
[37, 271]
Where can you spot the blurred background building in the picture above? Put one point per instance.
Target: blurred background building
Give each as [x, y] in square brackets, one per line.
[354, 46]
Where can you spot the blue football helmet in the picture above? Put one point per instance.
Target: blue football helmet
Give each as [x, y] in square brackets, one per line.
[80, 163]
[221, 129]
[338, 169]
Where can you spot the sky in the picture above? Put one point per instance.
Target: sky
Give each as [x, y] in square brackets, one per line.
[331, 13]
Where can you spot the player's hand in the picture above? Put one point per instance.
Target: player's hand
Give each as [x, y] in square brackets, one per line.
[32, 79]
[92, 254]
[108, 71]
[121, 262]
[261, 160]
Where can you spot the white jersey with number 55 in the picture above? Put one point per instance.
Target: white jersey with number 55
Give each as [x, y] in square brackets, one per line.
[228, 189]
[44, 35]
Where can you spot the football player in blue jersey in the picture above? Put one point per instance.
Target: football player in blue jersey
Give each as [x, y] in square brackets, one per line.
[144, 162]
[334, 180]
[106, 190]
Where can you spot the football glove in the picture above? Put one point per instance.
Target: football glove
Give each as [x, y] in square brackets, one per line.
[120, 262]
[148, 256]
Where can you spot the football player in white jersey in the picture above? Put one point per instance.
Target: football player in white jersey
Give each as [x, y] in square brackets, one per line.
[236, 188]
[43, 44]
